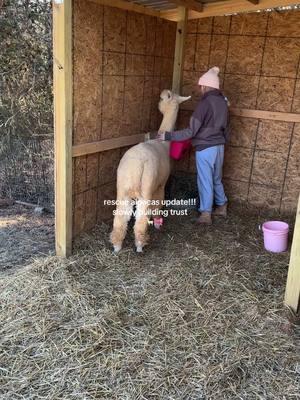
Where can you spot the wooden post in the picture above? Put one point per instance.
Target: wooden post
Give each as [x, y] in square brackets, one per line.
[62, 82]
[292, 292]
[179, 49]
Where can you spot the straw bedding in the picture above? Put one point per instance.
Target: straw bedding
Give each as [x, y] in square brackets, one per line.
[198, 316]
[23, 234]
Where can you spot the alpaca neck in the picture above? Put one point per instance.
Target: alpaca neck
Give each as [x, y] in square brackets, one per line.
[169, 120]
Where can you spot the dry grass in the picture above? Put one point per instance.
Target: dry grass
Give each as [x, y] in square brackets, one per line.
[198, 316]
[23, 235]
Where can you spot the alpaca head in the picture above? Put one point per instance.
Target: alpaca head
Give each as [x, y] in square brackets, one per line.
[170, 101]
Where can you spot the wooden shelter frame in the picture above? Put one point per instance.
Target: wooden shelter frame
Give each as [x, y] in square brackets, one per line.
[63, 123]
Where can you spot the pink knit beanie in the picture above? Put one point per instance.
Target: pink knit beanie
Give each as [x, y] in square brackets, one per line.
[210, 78]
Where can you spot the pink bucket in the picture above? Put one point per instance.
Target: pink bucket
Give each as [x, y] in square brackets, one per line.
[275, 236]
[179, 149]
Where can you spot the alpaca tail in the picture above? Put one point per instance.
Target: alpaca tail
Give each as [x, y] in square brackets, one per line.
[130, 178]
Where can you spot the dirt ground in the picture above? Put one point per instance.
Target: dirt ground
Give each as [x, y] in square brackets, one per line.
[24, 235]
[198, 316]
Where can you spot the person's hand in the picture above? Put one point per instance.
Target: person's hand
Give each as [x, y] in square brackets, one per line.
[160, 135]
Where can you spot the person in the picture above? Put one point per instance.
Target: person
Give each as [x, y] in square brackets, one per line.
[208, 131]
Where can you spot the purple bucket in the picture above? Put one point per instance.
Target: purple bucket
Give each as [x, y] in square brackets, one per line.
[275, 236]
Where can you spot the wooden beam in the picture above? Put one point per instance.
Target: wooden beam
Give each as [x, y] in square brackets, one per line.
[227, 7]
[107, 144]
[255, 2]
[292, 292]
[62, 72]
[127, 5]
[259, 114]
[179, 50]
[237, 6]
[190, 4]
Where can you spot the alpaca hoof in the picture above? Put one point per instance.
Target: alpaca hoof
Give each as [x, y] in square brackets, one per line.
[139, 249]
[117, 249]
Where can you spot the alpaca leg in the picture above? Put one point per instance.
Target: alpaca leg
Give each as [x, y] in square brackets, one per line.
[122, 217]
[158, 196]
[141, 225]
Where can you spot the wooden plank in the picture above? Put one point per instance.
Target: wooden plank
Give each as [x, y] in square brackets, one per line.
[227, 7]
[259, 114]
[190, 4]
[254, 1]
[62, 70]
[107, 144]
[292, 292]
[179, 50]
[126, 5]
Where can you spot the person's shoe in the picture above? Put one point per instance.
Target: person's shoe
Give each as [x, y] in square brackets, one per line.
[220, 211]
[204, 219]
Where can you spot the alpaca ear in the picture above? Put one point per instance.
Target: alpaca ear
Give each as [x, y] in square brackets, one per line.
[216, 70]
[181, 99]
[169, 94]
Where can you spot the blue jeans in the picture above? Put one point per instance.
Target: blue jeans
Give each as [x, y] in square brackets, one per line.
[209, 164]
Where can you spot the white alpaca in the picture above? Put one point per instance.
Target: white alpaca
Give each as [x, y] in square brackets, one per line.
[142, 175]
